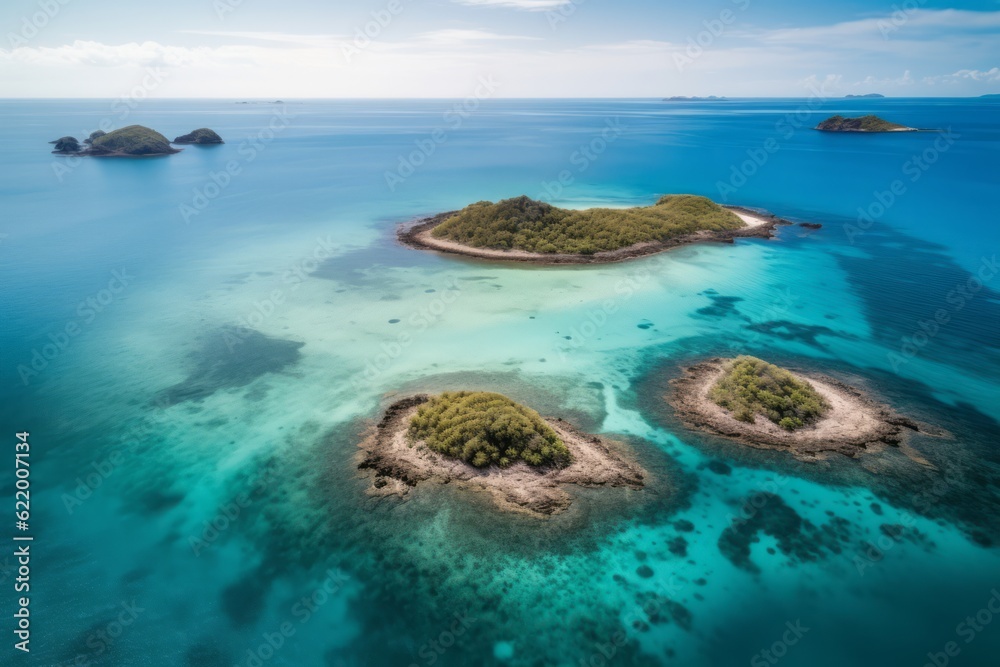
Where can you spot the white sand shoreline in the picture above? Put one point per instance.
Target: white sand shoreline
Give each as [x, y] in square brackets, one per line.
[419, 236]
[752, 220]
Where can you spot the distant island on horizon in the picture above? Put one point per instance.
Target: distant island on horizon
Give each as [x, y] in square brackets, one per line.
[868, 95]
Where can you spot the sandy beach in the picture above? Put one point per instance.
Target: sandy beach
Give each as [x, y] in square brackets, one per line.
[418, 235]
[751, 219]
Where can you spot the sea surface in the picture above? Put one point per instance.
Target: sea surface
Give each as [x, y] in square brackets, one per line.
[196, 344]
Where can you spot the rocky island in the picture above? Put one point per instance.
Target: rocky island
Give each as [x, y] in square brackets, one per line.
[866, 95]
[66, 146]
[130, 141]
[483, 441]
[761, 405]
[201, 136]
[526, 230]
[869, 123]
[96, 134]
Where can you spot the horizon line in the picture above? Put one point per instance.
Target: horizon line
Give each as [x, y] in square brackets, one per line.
[707, 98]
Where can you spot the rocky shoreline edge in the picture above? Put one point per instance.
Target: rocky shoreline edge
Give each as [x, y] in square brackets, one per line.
[856, 421]
[396, 466]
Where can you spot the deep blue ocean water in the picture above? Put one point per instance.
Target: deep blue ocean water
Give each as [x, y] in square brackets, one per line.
[196, 343]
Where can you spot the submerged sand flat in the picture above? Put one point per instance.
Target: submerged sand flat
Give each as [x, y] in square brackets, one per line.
[418, 235]
[397, 465]
[854, 423]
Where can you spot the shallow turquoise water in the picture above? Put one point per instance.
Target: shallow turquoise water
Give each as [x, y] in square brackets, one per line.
[224, 374]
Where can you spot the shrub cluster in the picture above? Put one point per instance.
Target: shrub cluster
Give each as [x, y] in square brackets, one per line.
[753, 387]
[523, 223]
[132, 140]
[483, 429]
[202, 135]
[869, 123]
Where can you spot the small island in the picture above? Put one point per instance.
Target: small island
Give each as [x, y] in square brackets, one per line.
[526, 230]
[66, 146]
[867, 95]
[130, 141]
[201, 136]
[486, 442]
[762, 405]
[869, 123]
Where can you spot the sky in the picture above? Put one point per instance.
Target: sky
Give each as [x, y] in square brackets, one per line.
[259, 49]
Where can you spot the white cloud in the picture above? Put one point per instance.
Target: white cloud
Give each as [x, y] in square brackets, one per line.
[875, 30]
[639, 46]
[829, 85]
[905, 80]
[528, 5]
[965, 75]
[96, 54]
[444, 37]
[304, 50]
[457, 37]
[440, 63]
[977, 75]
[287, 38]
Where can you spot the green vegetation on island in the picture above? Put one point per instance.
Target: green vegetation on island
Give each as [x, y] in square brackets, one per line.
[133, 140]
[202, 135]
[869, 123]
[525, 224]
[484, 428]
[751, 387]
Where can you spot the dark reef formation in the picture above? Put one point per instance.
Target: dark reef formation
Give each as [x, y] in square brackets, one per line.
[796, 538]
[230, 358]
